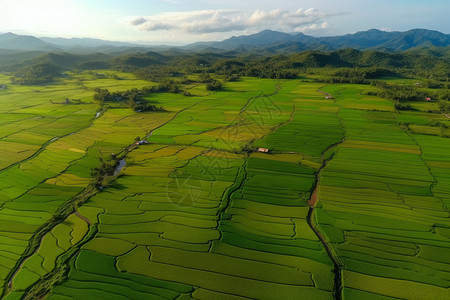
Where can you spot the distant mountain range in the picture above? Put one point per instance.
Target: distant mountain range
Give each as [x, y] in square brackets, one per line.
[11, 41]
[267, 41]
[371, 39]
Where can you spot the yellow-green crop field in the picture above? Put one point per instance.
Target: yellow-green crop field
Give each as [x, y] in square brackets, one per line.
[349, 203]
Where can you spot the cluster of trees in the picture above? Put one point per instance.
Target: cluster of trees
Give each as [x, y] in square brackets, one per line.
[133, 98]
[398, 92]
[170, 78]
[403, 106]
[262, 71]
[169, 86]
[272, 67]
[407, 93]
[36, 74]
[366, 73]
[105, 170]
[156, 73]
[211, 83]
[434, 84]
[342, 79]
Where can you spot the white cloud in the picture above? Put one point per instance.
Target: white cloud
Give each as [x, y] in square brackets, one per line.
[313, 28]
[263, 16]
[217, 21]
[388, 29]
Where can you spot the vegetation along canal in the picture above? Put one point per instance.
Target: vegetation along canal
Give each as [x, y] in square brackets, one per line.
[310, 217]
[310, 220]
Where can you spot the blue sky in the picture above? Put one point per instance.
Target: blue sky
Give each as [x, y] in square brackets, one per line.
[180, 22]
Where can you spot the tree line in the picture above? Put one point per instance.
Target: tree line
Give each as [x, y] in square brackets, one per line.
[133, 98]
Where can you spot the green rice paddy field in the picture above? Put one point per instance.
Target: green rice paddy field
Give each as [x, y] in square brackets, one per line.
[350, 203]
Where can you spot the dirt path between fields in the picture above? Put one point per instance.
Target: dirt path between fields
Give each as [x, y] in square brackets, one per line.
[313, 200]
[79, 215]
[327, 94]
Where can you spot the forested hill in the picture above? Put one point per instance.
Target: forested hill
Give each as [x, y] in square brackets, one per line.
[435, 60]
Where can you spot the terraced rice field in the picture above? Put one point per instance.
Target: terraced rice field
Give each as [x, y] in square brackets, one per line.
[190, 210]
[199, 214]
[383, 205]
[58, 145]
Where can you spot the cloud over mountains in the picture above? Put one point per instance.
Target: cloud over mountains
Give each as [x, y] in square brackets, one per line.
[211, 21]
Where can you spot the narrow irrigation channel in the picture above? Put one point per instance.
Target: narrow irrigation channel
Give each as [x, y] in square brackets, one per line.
[106, 174]
[105, 177]
[312, 204]
[310, 220]
[42, 287]
[67, 209]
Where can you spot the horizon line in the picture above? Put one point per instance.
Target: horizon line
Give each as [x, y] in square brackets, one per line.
[174, 44]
